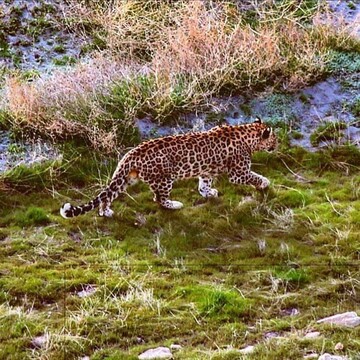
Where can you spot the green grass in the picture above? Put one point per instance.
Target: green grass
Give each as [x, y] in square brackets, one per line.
[64, 60]
[343, 62]
[351, 5]
[217, 274]
[329, 131]
[355, 107]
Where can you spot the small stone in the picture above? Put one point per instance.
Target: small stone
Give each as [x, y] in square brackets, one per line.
[158, 353]
[247, 350]
[175, 347]
[327, 356]
[349, 319]
[290, 312]
[140, 340]
[75, 236]
[311, 356]
[85, 358]
[272, 334]
[40, 341]
[339, 346]
[294, 312]
[87, 291]
[312, 335]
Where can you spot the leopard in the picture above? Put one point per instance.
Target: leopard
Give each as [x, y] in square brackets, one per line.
[159, 162]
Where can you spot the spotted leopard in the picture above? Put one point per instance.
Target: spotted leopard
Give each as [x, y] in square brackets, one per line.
[159, 162]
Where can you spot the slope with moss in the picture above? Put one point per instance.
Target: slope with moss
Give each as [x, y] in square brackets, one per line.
[247, 268]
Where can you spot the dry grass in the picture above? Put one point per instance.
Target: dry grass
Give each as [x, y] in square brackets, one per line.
[169, 57]
[55, 105]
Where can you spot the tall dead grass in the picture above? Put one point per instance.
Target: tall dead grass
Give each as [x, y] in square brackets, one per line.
[165, 57]
[66, 103]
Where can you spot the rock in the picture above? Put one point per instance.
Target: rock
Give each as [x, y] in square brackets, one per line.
[312, 335]
[290, 312]
[158, 353]
[311, 356]
[85, 358]
[271, 334]
[327, 356]
[247, 350]
[87, 291]
[339, 346]
[40, 341]
[175, 347]
[75, 236]
[140, 340]
[349, 319]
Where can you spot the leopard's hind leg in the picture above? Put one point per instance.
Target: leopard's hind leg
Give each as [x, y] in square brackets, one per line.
[162, 189]
[117, 185]
[205, 188]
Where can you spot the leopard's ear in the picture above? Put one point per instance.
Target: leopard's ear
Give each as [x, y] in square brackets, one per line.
[258, 121]
[266, 133]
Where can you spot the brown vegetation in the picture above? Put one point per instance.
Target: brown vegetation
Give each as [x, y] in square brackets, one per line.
[162, 58]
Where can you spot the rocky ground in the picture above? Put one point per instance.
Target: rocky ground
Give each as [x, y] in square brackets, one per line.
[35, 37]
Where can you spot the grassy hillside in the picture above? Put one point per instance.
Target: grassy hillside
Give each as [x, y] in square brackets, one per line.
[247, 268]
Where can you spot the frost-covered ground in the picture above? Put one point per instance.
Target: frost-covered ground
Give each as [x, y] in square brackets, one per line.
[34, 35]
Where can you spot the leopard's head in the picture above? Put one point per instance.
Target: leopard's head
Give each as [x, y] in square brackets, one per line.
[268, 140]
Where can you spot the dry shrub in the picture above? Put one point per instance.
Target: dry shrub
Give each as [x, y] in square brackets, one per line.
[65, 103]
[332, 31]
[133, 28]
[222, 51]
[23, 100]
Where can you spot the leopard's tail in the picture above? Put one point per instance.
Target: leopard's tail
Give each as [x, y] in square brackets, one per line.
[68, 210]
[118, 184]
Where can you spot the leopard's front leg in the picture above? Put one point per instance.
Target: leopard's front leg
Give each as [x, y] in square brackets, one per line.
[243, 175]
[205, 188]
[260, 182]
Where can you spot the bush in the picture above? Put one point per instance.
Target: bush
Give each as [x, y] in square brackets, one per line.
[34, 216]
[328, 131]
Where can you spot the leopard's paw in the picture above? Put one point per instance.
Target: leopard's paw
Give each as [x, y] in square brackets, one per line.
[108, 212]
[208, 193]
[173, 205]
[264, 183]
[213, 193]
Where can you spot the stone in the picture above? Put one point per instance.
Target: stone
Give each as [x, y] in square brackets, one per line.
[339, 346]
[175, 347]
[327, 356]
[40, 341]
[349, 319]
[247, 350]
[271, 334]
[158, 353]
[312, 335]
[290, 312]
[87, 291]
[311, 356]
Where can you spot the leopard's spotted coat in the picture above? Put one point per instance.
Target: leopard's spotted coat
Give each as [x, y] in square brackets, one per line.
[159, 162]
